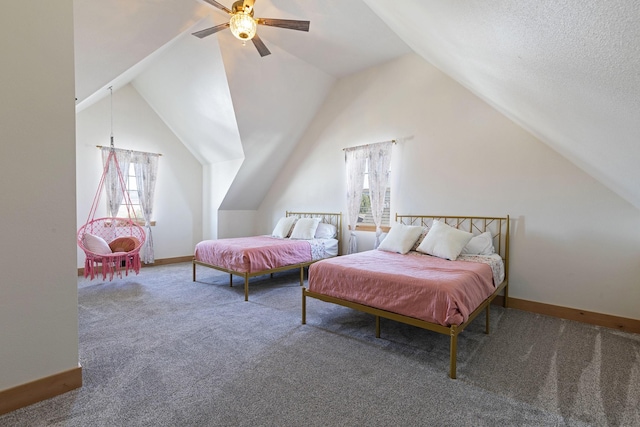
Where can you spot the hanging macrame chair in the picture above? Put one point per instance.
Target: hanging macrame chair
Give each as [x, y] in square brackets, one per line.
[111, 245]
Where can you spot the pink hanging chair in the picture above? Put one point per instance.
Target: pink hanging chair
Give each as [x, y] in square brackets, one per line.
[111, 245]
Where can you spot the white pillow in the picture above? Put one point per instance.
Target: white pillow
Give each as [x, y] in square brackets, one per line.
[96, 244]
[482, 244]
[283, 227]
[326, 231]
[444, 241]
[400, 238]
[305, 228]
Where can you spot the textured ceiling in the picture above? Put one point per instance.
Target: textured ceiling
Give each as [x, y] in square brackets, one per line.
[569, 72]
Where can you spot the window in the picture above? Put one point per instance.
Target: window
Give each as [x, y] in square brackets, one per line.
[369, 164]
[132, 189]
[138, 177]
[365, 219]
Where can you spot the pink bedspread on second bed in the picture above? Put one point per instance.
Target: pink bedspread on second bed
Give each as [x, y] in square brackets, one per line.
[253, 254]
[415, 285]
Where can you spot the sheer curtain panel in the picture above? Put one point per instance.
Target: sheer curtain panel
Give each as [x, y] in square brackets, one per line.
[379, 164]
[146, 167]
[355, 162]
[114, 183]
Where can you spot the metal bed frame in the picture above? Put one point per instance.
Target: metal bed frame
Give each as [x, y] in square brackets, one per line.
[499, 228]
[329, 218]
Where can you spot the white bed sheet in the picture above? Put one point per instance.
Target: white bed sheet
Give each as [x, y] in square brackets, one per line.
[494, 261]
[323, 248]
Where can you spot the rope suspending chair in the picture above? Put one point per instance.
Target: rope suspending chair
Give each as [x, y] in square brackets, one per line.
[111, 245]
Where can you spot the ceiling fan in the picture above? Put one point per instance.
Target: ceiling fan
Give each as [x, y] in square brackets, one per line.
[244, 26]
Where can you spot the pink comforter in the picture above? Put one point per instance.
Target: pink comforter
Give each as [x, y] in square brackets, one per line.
[415, 285]
[253, 254]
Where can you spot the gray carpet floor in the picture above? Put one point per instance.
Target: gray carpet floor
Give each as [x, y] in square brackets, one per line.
[158, 349]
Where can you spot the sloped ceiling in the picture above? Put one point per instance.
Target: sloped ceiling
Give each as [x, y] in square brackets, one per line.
[566, 71]
[188, 88]
[221, 99]
[569, 71]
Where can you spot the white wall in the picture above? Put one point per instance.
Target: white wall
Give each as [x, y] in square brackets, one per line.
[237, 223]
[274, 102]
[574, 242]
[38, 289]
[218, 177]
[178, 196]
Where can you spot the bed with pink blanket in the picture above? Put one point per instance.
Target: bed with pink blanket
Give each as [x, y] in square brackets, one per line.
[259, 255]
[423, 284]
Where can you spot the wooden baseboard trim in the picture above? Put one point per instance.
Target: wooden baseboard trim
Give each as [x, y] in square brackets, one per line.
[174, 260]
[38, 390]
[163, 261]
[590, 317]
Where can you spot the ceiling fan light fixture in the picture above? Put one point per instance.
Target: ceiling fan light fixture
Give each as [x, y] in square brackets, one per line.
[243, 26]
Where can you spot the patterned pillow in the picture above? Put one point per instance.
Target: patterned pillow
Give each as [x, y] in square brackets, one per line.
[424, 232]
[124, 244]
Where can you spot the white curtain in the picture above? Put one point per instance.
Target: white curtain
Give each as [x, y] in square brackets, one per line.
[115, 178]
[355, 161]
[379, 164]
[146, 167]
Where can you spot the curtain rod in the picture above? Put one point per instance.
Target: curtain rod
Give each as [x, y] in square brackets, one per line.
[364, 145]
[133, 151]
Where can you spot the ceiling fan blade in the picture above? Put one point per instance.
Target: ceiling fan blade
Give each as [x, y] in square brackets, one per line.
[259, 44]
[212, 30]
[285, 23]
[214, 3]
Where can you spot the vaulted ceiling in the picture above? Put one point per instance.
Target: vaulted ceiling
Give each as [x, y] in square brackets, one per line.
[568, 72]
